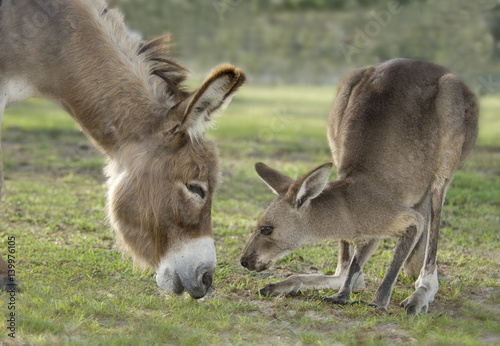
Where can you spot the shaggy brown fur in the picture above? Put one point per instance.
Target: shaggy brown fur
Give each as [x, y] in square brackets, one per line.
[127, 96]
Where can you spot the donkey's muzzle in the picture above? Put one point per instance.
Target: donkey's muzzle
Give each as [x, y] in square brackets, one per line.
[190, 268]
[205, 279]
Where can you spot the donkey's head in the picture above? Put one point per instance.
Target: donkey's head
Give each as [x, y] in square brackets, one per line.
[161, 190]
[284, 224]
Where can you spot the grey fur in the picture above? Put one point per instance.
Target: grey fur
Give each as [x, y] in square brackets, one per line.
[398, 133]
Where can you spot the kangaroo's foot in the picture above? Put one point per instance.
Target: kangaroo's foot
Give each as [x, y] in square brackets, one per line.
[427, 287]
[418, 302]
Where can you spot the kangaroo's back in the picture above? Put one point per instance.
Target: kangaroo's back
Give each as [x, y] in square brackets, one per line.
[387, 124]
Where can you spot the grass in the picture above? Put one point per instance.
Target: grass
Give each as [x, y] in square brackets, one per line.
[76, 289]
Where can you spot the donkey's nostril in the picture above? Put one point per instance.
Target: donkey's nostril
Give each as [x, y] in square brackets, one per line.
[206, 279]
[244, 262]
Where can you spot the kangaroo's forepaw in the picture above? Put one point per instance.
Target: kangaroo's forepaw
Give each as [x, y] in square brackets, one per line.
[291, 286]
[340, 299]
[277, 289]
[266, 291]
[416, 303]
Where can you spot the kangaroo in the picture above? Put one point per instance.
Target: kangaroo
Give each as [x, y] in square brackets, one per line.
[397, 133]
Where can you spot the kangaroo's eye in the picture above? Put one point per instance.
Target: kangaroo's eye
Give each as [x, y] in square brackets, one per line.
[266, 230]
[197, 189]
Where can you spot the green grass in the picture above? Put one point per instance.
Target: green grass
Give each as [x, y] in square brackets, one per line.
[489, 122]
[76, 289]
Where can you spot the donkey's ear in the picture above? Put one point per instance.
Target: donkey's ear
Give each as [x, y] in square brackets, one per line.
[311, 184]
[215, 93]
[277, 181]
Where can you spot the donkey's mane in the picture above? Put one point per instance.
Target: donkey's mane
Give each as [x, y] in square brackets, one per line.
[164, 67]
[155, 55]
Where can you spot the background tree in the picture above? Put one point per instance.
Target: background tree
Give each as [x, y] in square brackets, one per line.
[314, 41]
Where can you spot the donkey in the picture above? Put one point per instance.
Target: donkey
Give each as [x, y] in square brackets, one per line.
[126, 95]
[397, 133]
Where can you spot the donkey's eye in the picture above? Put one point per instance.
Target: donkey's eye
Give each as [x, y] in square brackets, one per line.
[197, 189]
[266, 230]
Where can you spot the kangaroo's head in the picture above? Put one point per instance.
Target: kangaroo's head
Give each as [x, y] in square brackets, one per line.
[284, 225]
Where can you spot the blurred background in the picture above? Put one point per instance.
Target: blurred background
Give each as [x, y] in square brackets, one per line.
[314, 41]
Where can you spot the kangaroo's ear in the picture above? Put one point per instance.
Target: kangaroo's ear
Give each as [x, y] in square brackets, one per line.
[277, 181]
[310, 185]
[215, 93]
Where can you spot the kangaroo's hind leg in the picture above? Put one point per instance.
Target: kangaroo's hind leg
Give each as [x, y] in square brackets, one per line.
[415, 261]
[457, 109]
[427, 284]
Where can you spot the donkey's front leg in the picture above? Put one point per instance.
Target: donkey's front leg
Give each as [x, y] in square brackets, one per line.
[361, 255]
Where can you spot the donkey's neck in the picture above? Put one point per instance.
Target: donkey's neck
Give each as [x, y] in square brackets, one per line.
[107, 86]
[111, 102]
[111, 114]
